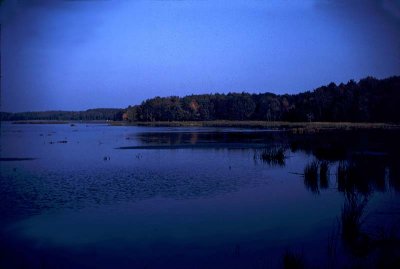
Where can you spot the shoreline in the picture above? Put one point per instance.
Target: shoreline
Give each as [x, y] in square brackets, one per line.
[279, 125]
[297, 127]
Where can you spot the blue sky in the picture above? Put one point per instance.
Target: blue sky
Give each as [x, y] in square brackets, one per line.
[75, 55]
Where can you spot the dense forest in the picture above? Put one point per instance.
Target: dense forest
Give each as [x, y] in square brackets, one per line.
[369, 100]
[88, 115]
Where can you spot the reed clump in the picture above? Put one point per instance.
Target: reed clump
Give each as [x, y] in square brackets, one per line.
[272, 156]
[316, 175]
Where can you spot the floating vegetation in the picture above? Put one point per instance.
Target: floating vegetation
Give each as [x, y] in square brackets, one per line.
[59, 142]
[272, 156]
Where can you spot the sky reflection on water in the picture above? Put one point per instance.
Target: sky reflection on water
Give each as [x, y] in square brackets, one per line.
[86, 203]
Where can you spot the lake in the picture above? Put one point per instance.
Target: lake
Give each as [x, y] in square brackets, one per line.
[99, 196]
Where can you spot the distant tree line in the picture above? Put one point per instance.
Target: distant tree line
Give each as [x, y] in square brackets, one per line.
[88, 115]
[369, 100]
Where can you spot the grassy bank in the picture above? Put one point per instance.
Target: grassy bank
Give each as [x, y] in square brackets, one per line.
[294, 126]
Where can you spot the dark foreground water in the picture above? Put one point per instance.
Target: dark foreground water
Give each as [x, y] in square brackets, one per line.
[95, 196]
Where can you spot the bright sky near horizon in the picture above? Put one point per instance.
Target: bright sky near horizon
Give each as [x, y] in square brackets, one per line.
[75, 55]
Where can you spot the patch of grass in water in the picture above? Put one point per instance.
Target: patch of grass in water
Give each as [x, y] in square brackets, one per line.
[311, 176]
[351, 222]
[272, 156]
[324, 175]
[352, 177]
[316, 176]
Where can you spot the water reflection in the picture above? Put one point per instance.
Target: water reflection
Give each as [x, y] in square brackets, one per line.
[210, 138]
[361, 164]
[362, 160]
[316, 176]
[374, 248]
[216, 195]
[311, 177]
[351, 219]
[360, 172]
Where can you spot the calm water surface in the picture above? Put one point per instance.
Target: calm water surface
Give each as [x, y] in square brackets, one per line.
[95, 196]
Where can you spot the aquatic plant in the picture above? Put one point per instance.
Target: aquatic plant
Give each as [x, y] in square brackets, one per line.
[324, 175]
[272, 156]
[351, 217]
[341, 176]
[352, 177]
[311, 176]
[316, 176]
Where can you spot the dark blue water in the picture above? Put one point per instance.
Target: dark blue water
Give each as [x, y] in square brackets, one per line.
[96, 196]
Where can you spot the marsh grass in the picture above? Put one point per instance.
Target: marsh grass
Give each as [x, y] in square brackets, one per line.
[361, 176]
[341, 175]
[311, 176]
[324, 175]
[351, 220]
[316, 176]
[295, 127]
[272, 156]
